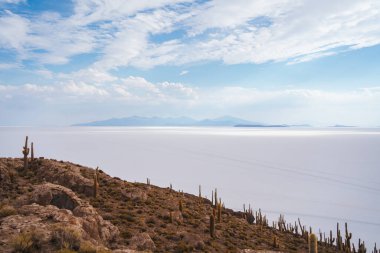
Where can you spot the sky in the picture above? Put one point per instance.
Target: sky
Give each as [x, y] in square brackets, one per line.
[280, 62]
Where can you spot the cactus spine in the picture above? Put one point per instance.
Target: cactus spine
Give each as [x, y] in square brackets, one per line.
[313, 246]
[212, 226]
[25, 151]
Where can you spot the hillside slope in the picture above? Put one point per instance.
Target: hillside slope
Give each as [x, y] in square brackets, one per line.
[51, 205]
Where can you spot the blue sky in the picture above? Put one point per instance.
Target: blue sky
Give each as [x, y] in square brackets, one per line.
[281, 61]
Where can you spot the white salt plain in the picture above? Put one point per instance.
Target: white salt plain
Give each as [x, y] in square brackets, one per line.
[323, 176]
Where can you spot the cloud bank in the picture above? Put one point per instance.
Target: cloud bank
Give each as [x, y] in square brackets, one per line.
[136, 95]
[126, 33]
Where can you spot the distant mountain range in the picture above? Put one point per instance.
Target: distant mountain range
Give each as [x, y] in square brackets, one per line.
[261, 125]
[176, 121]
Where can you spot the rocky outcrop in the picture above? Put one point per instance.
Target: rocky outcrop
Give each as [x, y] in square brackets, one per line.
[80, 211]
[50, 206]
[64, 174]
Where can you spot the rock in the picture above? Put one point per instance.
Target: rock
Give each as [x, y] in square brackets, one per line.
[193, 239]
[177, 217]
[136, 194]
[39, 221]
[142, 241]
[65, 175]
[70, 204]
[259, 251]
[127, 251]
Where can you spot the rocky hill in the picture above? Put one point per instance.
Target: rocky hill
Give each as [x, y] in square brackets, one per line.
[55, 206]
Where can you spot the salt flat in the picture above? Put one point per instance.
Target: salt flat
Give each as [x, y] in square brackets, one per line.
[320, 175]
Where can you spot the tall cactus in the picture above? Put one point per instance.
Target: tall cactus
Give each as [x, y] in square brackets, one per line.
[31, 152]
[361, 247]
[96, 182]
[212, 226]
[313, 243]
[275, 242]
[338, 238]
[348, 239]
[25, 151]
[180, 206]
[219, 212]
[216, 197]
[332, 239]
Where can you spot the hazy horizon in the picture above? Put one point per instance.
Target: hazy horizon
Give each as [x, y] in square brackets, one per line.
[296, 125]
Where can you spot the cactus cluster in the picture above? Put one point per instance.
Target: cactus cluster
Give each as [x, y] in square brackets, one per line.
[248, 215]
[25, 151]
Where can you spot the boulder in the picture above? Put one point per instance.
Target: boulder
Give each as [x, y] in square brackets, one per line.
[69, 203]
[142, 241]
[65, 175]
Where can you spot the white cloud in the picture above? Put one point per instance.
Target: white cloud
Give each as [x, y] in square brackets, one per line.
[38, 88]
[138, 88]
[184, 72]
[260, 31]
[4, 88]
[11, 2]
[13, 32]
[4, 66]
[290, 105]
[227, 14]
[89, 75]
[83, 89]
[296, 106]
[177, 90]
[133, 89]
[241, 31]
[45, 73]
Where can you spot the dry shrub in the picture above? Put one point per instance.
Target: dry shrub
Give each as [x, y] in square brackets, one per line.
[87, 247]
[7, 211]
[65, 238]
[26, 242]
